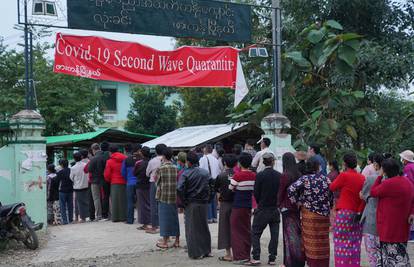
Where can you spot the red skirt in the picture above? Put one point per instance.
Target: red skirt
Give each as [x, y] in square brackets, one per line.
[240, 221]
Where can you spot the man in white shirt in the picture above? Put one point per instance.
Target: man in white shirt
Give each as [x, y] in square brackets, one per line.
[80, 186]
[153, 165]
[258, 159]
[211, 164]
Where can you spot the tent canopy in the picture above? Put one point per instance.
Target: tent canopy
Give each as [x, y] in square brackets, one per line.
[187, 138]
[87, 139]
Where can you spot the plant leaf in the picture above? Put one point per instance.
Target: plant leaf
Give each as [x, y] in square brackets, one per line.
[351, 131]
[296, 56]
[327, 52]
[347, 54]
[349, 36]
[315, 36]
[333, 24]
[355, 44]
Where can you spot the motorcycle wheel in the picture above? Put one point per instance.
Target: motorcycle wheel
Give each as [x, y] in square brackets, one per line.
[31, 242]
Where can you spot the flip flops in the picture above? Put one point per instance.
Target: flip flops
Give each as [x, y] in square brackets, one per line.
[162, 246]
[224, 259]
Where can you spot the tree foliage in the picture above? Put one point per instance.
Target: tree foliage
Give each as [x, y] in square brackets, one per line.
[68, 104]
[149, 113]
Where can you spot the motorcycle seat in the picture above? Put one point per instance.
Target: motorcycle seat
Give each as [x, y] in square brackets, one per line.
[6, 209]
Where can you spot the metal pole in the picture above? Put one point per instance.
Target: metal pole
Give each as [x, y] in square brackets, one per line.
[32, 104]
[276, 41]
[26, 57]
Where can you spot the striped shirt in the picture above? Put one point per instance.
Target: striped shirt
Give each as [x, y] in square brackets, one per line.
[242, 184]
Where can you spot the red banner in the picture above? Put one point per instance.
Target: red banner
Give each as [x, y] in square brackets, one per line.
[105, 59]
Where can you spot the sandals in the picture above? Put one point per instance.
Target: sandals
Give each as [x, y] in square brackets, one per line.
[162, 246]
[252, 263]
[225, 259]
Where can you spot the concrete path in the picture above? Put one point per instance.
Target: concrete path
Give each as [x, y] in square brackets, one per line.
[113, 240]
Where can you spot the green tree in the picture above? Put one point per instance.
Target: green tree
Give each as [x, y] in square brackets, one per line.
[68, 104]
[204, 105]
[149, 113]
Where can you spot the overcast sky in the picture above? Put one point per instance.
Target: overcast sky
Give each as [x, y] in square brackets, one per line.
[12, 36]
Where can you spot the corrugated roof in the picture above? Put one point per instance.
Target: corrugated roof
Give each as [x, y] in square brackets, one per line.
[192, 136]
[76, 138]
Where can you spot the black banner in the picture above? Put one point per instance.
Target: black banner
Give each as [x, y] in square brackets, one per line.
[179, 18]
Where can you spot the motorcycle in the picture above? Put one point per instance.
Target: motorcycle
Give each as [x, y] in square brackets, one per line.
[16, 224]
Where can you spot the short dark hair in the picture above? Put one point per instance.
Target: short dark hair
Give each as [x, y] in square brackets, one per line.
[334, 164]
[387, 155]
[266, 141]
[250, 142]
[220, 152]
[316, 148]
[378, 158]
[84, 153]
[230, 160]
[390, 167]
[64, 163]
[245, 160]
[113, 148]
[146, 151]
[237, 149]
[51, 168]
[167, 153]
[268, 161]
[208, 148]
[104, 146]
[192, 158]
[128, 148]
[136, 147]
[77, 156]
[312, 166]
[350, 160]
[159, 149]
[371, 157]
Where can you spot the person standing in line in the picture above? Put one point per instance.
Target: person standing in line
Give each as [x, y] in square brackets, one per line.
[65, 192]
[242, 184]
[226, 198]
[395, 213]
[80, 186]
[249, 147]
[369, 170]
[106, 186]
[266, 188]
[85, 159]
[181, 166]
[314, 151]
[194, 190]
[293, 254]
[347, 231]
[257, 162]
[407, 158]
[209, 163]
[301, 157]
[96, 168]
[143, 189]
[113, 175]
[52, 196]
[333, 173]
[167, 198]
[128, 166]
[368, 219]
[311, 192]
[151, 172]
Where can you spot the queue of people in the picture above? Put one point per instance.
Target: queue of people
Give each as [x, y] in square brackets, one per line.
[309, 196]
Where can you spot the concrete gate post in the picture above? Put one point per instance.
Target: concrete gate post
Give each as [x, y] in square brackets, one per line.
[275, 126]
[29, 164]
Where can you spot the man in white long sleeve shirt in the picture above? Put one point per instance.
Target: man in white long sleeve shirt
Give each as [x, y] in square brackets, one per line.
[80, 186]
[211, 164]
[258, 159]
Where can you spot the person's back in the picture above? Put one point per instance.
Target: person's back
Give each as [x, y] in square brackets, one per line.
[211, 164]
[128, 166]
[78, 176]
[350, 183]
[65, 183]
[113, 168]
[395, 204]
[196, 185]
[267, 187]
[96, 167]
